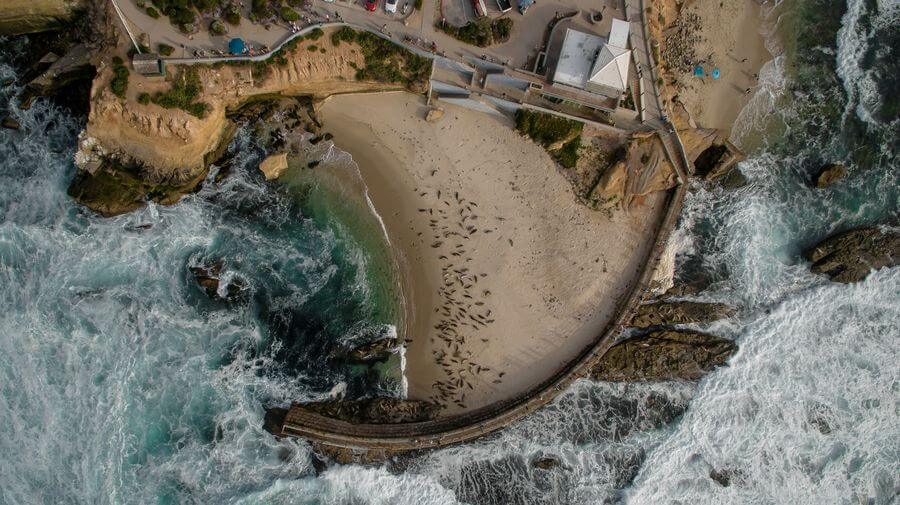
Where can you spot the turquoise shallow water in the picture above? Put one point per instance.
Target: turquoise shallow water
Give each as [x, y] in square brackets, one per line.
[121, 383]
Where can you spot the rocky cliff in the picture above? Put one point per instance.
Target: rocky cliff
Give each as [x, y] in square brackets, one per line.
[643, 169]
[29, 16]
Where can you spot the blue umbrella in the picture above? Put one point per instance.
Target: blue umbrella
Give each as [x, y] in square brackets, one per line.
[236, 46]
[715, 73]
[698, 71]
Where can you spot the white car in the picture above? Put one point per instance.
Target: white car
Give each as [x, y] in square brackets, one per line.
[391, 5]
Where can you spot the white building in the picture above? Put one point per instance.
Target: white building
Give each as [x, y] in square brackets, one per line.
[593, 64]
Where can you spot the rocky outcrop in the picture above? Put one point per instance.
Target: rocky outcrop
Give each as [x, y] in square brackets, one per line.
[712, 154]
[664, 355]
[679, 312]
[546, 463]
[273, 166]
[380, 410]
[28, 16]
[373, 352]
[644, 169]
[851, 255]
[67, 79]
[210, 279]
[830, 173]
[434, 114]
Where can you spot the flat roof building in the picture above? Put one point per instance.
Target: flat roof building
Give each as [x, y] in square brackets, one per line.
[593, 64]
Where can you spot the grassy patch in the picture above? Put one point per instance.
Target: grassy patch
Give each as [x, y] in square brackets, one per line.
[144, 98]
[183, 94]
[388, 62]
[547, 130]
[289, 14]
[165, 49]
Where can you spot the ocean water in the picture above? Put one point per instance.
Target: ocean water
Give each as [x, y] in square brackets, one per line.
[121, 383]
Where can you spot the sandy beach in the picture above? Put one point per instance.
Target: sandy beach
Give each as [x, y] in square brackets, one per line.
[506, 277]
[731, 39]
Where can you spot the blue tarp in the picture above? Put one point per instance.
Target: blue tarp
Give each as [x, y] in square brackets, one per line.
[524, 5]
[698, 71]
[236, 46]
[715, 73]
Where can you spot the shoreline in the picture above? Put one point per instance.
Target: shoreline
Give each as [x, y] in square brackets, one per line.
[491, 313]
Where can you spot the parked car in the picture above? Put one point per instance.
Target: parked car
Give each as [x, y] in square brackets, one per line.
[371, 5]
[504, 5]
[390, 6]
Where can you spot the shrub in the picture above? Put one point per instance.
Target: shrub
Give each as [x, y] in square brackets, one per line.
[153, 13]
[233, 16]
[502, 28]
[144, 98]
[140, 4]
[260, 9]
[343, 34]
[568, 154]
[417, 5]
[289, 14]
[315, 34]
[183, 93]
[165, 49]
[217, 27]
[119, 82]
[312, 48]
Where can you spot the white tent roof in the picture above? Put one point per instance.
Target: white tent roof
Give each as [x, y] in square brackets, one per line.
[611, 68]
[575, 58]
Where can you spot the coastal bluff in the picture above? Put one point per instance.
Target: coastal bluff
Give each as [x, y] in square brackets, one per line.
[134, 143]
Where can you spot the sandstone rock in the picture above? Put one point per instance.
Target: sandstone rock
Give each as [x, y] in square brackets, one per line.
[379, 410]
[433, 115]
[645, 169]
[683, 312]
[28, 16]
[664, 355]
[373, 352]
[274, 166]
[851, 255]
[830, 173]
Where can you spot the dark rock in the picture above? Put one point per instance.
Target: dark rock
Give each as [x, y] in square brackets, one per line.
[718, 160]
[664, 355]
[373, 352]
[209, 278]
[668, 313]
[830, 173]
[379, 410]
[66, 80]
[313, 164]
[8, 82]
[851, 255]
[546, 463]
[113, 189]
[10, 123]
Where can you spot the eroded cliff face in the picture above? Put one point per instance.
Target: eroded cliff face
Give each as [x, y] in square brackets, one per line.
[28, 16]
[644, 169]
[172, 146]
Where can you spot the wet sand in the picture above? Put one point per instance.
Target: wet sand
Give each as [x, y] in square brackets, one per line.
[506, 277]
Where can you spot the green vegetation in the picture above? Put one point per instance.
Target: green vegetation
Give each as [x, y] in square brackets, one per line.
[417, 5]
[217, 27]
[567, 156]
[315, 34]
[547, 130]
[153, 13]
[312, 48]
[233, 16]
[260, 9]
[165, 49]
[289, 14]
[183, 94]
[482, 32]
[180, 12]
[144, 98]
[388, 62]
[119, 82]
[343, 34]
